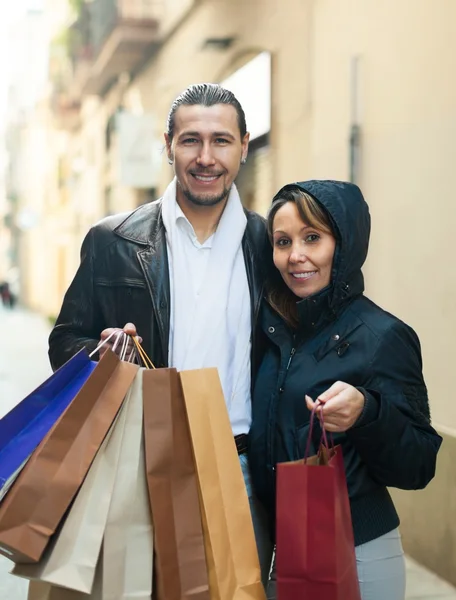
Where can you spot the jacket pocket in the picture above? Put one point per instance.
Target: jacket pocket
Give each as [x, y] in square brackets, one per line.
[301, 435]
[338, 341]
[123, 300]
[120, 282]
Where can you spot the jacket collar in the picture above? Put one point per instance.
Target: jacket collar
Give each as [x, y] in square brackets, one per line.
[143, 225]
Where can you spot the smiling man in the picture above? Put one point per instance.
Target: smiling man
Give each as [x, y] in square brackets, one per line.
[185, 272]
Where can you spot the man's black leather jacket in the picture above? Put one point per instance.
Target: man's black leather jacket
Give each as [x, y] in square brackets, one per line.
[123, 277]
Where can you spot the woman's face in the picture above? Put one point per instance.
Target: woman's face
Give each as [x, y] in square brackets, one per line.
[303, 254]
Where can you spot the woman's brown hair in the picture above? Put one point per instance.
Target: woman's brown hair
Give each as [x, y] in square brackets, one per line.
[278, 294]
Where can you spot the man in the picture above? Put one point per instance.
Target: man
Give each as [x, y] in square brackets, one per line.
[185, 272]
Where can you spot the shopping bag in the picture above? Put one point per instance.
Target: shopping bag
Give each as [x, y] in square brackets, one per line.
[232, 557]
[39, 590]
[26, 425]
[127, 555]
[40, 497]
[72, 556]
[315, 554]
[180, 561]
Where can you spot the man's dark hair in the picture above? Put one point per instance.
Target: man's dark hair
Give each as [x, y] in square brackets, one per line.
[206, 94]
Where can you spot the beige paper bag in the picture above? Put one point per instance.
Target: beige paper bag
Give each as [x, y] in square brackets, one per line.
[128, 541]
[231, 552]
[71, 559]
[39, 590]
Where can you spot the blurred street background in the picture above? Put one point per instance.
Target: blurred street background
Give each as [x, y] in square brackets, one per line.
[358, 90]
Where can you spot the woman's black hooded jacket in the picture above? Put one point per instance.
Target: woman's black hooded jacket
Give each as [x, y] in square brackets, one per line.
[343, 336]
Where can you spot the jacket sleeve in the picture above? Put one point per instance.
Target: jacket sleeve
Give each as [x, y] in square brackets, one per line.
[394, 436]
[80, 322]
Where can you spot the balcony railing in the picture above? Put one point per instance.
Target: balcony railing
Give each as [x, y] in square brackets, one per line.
[108, 15]
[112, 37]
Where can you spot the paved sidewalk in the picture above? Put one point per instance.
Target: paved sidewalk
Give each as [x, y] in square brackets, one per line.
[24, 365]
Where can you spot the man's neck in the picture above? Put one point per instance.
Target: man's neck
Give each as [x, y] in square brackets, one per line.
[204, 219]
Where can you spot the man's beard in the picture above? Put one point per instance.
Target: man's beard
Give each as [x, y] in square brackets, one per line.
[205, 200]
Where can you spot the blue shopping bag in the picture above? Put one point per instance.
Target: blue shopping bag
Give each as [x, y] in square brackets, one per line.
[26, 425]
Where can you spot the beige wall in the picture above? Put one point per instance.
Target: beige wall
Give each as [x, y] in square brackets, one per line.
[408, 118]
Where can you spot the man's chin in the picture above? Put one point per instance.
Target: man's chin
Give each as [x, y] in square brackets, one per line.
[206, 199]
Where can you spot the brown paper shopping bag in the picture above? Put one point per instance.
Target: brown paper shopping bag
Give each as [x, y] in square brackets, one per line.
[40, 497]
[127, 555]
[181, 570]
[234, 570]
[72, 556]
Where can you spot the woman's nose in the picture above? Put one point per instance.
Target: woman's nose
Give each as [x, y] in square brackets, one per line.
[297, 255]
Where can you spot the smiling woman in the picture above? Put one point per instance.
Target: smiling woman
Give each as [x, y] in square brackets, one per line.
[304, 243]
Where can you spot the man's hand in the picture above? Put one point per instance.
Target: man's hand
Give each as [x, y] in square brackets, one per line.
[341, 406]
[129, 329]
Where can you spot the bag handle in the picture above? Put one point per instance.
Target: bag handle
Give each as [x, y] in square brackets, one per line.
[121, 335]
[142, 354]
[324, 435]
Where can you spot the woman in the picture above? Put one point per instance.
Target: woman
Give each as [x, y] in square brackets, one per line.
[326, 341]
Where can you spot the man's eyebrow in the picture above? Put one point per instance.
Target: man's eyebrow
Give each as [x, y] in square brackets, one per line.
[224, 134]
[190, 133]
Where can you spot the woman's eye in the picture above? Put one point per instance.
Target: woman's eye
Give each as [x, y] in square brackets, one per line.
[282, 242]
[312, 238]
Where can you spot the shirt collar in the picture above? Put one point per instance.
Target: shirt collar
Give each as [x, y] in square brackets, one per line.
[185, 226]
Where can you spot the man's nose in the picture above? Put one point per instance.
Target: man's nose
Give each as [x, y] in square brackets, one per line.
[206, 156]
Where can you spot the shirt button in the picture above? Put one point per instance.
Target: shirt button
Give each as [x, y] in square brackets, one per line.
[271, 329]
[336, 337]
[281, 390]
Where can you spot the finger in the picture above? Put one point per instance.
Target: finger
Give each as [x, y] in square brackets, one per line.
[335, 389]
[337, 404]
[334, 427]
[107, 332]
[130, 329]
[310, 403]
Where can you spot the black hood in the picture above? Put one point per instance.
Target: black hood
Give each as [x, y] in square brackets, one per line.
[349, 213]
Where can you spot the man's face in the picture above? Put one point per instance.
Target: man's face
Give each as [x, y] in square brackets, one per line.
[207, 150]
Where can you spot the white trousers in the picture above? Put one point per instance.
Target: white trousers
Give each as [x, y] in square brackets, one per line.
[381, 569]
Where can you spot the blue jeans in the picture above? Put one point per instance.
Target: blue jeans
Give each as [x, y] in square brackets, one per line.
[260, 524]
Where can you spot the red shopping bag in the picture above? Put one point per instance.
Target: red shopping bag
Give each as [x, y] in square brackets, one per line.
[315, 555]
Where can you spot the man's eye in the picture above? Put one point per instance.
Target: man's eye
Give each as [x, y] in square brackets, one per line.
[221, 141]
[189, 141]
[312, 237]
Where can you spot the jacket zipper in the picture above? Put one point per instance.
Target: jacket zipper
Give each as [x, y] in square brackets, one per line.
[281, 390]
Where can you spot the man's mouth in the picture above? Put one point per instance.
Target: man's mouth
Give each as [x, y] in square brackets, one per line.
[205, 178]
[303, 275]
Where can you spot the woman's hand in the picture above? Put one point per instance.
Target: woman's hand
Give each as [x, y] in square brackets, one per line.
[341, 405]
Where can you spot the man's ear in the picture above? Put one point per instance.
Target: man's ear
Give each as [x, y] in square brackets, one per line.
[245, 147]
[169, 151]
